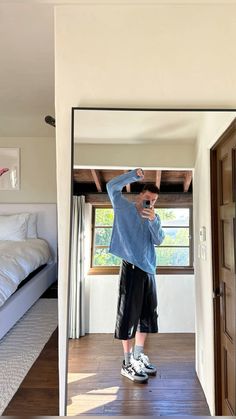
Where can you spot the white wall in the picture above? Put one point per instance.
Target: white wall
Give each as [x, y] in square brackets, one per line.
[134, 55]
[172, 155]
[37, 171]
[176, 296]
[175, 303]
[213, 126]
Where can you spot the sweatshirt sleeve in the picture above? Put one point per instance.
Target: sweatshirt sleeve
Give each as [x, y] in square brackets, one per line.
[156, 230]
[115, 186]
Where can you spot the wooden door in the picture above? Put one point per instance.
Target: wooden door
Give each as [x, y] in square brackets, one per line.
[223, 184]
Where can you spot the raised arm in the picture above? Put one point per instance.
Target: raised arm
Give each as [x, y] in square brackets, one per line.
[115, 186]
[156, 230]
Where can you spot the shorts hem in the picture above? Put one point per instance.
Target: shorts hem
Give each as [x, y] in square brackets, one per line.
[119, 337]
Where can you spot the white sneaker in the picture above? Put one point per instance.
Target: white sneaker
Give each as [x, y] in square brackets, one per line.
[134, 372]
[145, 364]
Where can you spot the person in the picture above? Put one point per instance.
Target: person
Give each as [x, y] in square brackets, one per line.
[136, 230]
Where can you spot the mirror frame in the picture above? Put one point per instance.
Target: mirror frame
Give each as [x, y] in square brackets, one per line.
[107, 108]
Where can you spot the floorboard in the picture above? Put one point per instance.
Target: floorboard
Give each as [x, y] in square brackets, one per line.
[96, 387]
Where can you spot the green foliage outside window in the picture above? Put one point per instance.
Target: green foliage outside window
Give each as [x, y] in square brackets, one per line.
[104, 216]
[103, 258]
[173, 256]
[174, 250]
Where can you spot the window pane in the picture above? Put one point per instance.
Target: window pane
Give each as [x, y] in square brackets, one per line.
[176, 237]
[102, 236]
[104, 216]
[172, 219]
[172, 256]
[103, 258]
[173, 216]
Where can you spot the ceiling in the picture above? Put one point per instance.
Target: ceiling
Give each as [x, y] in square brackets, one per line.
[27, 69]
[27, 76]
[27, 88]
[135, 126]
[90, 181]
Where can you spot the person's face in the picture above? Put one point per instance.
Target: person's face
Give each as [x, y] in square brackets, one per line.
[147, 195]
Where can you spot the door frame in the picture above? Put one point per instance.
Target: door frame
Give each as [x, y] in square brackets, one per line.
[215, 267]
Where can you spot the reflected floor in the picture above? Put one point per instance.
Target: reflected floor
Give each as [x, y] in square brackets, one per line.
[96, 387]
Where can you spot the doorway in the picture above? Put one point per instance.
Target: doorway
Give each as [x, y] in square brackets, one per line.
[223, 192]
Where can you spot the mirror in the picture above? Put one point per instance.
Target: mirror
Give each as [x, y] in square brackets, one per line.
[108, 143]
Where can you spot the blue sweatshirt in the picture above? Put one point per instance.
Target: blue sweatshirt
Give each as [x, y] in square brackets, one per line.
[133, 237]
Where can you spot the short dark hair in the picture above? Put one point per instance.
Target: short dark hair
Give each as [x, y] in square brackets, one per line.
[151, 188]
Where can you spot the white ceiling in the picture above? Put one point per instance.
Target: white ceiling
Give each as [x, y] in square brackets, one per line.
[27, 78]
[135, 127]
[27, 69]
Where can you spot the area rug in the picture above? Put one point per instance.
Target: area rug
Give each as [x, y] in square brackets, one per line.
[22, 345]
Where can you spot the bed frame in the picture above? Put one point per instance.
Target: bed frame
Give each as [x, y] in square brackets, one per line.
[19, 302]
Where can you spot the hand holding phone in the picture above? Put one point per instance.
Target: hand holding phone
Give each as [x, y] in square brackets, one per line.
[146, 203]
[148, 210]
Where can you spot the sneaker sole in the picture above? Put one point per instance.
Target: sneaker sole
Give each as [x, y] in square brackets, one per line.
[152, 373]
[141, 381]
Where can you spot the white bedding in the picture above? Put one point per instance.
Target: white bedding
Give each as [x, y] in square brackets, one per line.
[17, 260]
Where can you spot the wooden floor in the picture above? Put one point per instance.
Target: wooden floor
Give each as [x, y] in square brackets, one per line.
[96, 387]
[38, 394]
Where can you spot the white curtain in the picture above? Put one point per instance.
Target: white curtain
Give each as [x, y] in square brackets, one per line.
[77, 277]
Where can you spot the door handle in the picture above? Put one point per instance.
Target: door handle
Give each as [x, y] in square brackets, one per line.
[218, 292]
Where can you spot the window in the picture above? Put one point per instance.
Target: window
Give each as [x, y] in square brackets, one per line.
[103, 221]
[173, 255]
[175, 249]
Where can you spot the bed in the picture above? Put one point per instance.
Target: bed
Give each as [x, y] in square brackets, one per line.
[37, 255]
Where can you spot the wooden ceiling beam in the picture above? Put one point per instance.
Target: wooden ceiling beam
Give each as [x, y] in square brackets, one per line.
[169, 181]
[187, 180]
[158, 178]
[172, 199]
[128, 188]
[96, 178]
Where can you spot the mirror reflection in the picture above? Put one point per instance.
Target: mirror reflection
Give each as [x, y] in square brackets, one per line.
[132, 293]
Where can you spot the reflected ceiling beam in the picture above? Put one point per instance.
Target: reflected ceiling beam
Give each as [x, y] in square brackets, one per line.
[97, 180]
[187, 180]
[158, 178]
[128, 187]
[175, 200]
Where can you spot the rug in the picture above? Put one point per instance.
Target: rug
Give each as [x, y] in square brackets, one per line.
[22, 345]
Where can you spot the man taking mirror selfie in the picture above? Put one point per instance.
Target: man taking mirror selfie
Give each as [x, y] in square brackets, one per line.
[136, 231]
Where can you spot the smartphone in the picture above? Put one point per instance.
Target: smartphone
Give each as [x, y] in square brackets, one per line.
[146, 203]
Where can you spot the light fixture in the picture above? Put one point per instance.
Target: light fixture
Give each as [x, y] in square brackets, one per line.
[50, 120]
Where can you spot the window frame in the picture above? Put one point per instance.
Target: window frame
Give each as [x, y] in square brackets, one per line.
[169, 270]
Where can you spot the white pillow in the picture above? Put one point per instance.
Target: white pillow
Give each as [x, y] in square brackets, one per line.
[13, 226]
[32, 226]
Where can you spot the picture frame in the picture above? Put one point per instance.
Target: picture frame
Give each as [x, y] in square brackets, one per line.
[9, 168]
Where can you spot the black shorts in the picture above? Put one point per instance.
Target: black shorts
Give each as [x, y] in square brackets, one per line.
[137, 302]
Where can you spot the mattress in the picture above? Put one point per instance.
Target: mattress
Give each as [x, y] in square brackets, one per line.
[17, 260]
